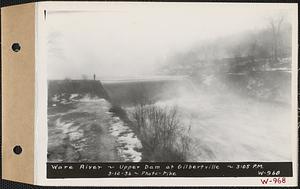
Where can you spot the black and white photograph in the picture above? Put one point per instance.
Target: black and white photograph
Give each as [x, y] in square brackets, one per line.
[169, 83]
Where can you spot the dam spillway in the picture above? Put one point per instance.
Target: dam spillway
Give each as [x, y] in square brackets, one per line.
[135, 91]
[124, 91]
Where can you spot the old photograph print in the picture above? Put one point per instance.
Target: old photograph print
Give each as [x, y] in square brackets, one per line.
[165, 83]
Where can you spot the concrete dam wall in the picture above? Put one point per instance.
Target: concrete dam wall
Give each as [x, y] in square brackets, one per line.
[121, 93]
[272, 86]
[137, 92]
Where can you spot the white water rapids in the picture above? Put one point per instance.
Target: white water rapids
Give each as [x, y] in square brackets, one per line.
[127, 145]
[226, 127]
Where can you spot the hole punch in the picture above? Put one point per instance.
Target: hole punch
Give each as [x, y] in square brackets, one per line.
[17, 149]
[16, 47]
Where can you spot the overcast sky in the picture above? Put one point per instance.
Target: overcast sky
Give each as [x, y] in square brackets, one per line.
[115, 42]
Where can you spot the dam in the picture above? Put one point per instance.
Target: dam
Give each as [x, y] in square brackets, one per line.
[85, 125]
[87, 119]
[125, 91]
[134, 91]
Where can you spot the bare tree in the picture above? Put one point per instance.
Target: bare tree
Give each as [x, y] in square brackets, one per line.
[163, 134]
[252, 51]
[275, 26]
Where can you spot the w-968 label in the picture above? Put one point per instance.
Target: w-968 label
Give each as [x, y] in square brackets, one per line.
[275, 180]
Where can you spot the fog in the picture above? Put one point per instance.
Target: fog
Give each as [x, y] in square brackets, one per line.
[225, 69]
[124, 41]
[230, 127]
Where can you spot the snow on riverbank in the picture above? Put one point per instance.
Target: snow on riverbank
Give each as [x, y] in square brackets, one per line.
[130, 145]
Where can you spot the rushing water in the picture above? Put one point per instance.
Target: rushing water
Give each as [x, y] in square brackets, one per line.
[89, 130]
[226, 127]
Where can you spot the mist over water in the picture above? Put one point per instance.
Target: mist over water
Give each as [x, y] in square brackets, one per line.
[116, 42]
[228, 127]
[229, 76]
